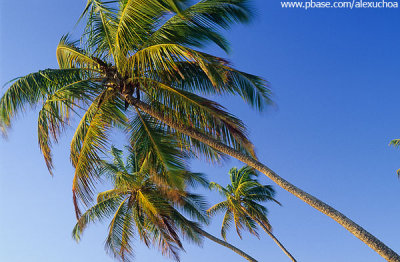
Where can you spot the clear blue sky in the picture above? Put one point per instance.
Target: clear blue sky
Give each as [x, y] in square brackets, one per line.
[335, 76]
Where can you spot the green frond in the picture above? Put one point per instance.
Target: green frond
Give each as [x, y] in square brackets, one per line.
[189, 76]
[195, 206]
[90, 141]
[56, 111]
[32, 89]
[237, 220]
[251, 225]
[220, 131]
[120, 233]
[112, 193]
[167, 240]
[164, 58]
[219, 188]
[100, 30]
[195, 179]
[200, 113]
[220, 207]
[226, 223]
[57, 91]
[136, 21]
[156, 149]
[182, 29]
[221, 13]
[187, 229]
[70, 56]
[117, 161]
[395, 142]
[146, 204]
[244, 200]
[200, 150]
[98, 212]
[252, 89]
[200, 23]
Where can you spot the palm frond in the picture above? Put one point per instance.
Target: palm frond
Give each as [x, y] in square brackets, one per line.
[201, 113]
[219, 207]
[189, 76]
[200, 23]
[98, 212]
[152, 60]
[101, 25]
[120, 232]
[56, 111]
[136, 19]
[226, 223]
[32, 89]
[243, 205]
[157, 150]
[395, 142]
[195, 206]
[90, 141]
[219, 188]
[70, 56]
[105, 195]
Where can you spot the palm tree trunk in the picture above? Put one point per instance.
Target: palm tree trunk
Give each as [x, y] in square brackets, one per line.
[280, 245]
[276, 240]
[225, 244]
[366, 237]
[268, 231]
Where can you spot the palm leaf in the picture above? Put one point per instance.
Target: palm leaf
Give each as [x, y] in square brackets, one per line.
[70, 56]
[33, 89]
[101, 210]
[90, 141]
[56, 111]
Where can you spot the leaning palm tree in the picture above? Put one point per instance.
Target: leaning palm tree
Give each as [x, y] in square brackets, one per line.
[396, 143]
[138, 205]
[243, 204]
[142, 56]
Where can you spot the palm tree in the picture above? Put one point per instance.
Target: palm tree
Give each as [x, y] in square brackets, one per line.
[396, 143]
[138, 205]
[142, 54]
[242, 206]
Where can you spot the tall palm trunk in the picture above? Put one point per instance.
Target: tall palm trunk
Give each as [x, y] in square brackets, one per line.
[268, 231]
[340, 218]
[225, 244]
[276, 240]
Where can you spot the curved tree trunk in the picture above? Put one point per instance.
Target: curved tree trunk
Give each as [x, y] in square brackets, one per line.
[366, 237]
[225, 244]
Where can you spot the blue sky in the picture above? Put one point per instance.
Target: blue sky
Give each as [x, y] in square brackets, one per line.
[335, 78]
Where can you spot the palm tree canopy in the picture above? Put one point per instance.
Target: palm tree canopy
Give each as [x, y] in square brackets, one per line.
[244, 201]
[145, 49]
[148, 49]
[138, 206]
